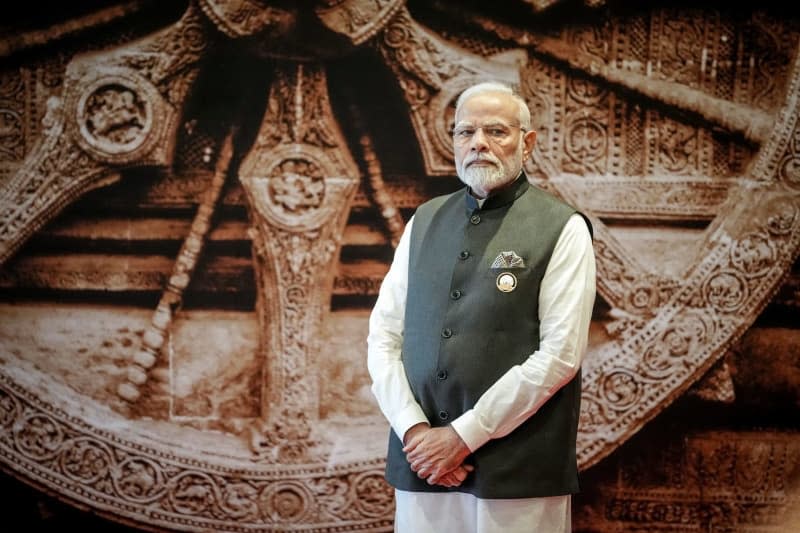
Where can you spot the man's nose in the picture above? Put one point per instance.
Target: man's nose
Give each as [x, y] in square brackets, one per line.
[479, 141]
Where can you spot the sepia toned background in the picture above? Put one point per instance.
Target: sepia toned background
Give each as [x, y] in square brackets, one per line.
[199, 200]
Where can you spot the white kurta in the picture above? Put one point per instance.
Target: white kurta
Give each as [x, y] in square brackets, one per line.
[566, 299]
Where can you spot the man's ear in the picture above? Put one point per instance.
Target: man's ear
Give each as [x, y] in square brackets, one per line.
[528, 140]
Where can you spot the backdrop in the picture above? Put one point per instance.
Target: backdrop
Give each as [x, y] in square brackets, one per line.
[199, 200]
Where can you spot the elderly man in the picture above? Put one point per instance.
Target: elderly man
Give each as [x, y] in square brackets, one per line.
[477, 337]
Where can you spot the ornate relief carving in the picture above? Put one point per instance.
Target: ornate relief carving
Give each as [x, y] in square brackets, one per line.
[720, 481]
[116, 471]
[359, 20]
[742, 264]
[138, 479]
[11, 138]
[716, 302]
[242, 18]
[24, 92]
[655, 198]
[120, 108]
[296, 187]
[620, 277]
[623, 281]
[115, 115]
[623, 56]
[586, 135]
[300, 181]
[675, 148]
[717, 385]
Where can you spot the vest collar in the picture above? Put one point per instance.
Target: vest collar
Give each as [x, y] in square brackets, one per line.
[503, 197]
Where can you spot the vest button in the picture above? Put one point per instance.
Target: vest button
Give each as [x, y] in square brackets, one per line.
[464, 254]
[447, 333]
[444, 415]
[455, 295]
[441, 375]
[475, 219]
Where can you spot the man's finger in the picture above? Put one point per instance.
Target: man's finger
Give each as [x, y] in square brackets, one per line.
[423, 471]
[449, 480]
[418, 463]
[412, 445]
[436, 475]
[417, 450]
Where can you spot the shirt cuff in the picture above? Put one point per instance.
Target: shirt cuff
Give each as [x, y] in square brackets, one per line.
[407, 418]
[470, 430]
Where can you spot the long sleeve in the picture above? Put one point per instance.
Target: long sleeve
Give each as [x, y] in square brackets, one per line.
[566, 299]
[384, 343]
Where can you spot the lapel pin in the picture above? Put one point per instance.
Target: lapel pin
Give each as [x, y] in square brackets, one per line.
[506, 282]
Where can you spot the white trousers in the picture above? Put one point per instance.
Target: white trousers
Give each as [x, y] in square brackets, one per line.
[455, 512]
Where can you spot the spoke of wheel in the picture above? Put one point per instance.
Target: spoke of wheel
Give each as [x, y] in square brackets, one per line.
[171, 298]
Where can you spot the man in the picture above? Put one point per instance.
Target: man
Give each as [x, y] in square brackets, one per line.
[477, 337]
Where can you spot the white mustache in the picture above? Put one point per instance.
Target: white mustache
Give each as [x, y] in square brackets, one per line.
[482, 157]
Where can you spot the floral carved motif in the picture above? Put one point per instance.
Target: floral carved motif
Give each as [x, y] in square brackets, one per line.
[297, 186]
[114, 117]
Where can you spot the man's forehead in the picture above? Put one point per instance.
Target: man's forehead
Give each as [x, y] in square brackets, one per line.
[487, 106]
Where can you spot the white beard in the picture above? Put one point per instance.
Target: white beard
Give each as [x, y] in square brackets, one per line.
[485, 179]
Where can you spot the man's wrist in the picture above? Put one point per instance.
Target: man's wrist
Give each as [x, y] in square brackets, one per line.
[420, 426]
[470, 431]
[406, 419]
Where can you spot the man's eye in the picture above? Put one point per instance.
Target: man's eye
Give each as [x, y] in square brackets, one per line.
[465, 132]
[497, 133]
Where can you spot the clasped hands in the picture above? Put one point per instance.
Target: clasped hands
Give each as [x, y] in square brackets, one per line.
[437, 454]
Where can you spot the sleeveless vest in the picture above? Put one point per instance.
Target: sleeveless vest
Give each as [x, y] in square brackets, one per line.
[462, 333]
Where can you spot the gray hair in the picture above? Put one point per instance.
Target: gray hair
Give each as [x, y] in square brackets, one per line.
[497, 87]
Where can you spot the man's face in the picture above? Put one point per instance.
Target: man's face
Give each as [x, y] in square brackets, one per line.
[489, 146]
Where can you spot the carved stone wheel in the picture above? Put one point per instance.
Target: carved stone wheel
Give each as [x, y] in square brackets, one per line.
[675, 129]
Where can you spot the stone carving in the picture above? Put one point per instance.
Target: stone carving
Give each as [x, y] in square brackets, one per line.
[716, 290]
[297, 186]
[359, 20]
[614, 157]
[720, 480]
[119, 474]
[717, 385]
[242, 18]
[113, 117]
[300, 180]
[119, 109]
[10, 134]
[658, 197]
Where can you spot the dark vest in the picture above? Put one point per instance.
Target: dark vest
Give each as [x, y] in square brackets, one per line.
[462, 333]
